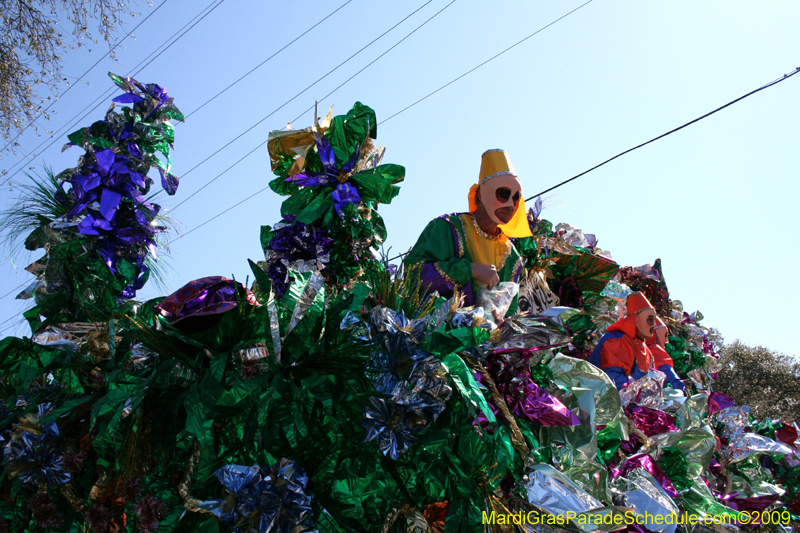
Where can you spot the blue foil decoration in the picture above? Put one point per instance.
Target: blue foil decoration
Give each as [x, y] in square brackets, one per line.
[413, 382]
[269, 500]
[29, 452]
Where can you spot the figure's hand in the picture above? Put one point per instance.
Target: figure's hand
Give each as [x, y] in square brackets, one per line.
[486, 274]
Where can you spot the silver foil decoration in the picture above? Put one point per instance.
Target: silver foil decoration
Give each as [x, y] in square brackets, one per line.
[312, 288]
[140, 354]
[648, 499]
[274, 326]
[254, 353]
[552, 491]
[744, 445]
[645, 391]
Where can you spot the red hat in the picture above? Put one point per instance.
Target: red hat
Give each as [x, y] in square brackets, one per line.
[638, 302]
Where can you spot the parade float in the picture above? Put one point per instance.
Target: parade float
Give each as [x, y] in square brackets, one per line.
[334, 394]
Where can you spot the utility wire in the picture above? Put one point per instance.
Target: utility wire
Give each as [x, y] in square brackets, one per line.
[84, 74]
[766, 86]
[485, 62]
[401, 111]
[15, 288]
[267, 59]
[218, 215]
[94, 104]
[147, 61]
[670, 132]
[295, 97]
[348, 80]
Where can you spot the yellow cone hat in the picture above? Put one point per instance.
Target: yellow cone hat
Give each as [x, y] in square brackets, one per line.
[496, 163]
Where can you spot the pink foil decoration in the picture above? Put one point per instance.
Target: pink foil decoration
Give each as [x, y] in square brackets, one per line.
[717, 402]
[651, 421]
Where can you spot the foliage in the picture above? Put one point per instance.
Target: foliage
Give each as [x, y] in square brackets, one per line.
[31, 49]
[761, 378]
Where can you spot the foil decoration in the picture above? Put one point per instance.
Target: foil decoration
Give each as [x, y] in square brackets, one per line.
[577, 443]
[718, 401]
[743, 445]
[734, 419]
[643, 462]
[357, 328]
[697, 445]
[649, 500]
[692, 413]
[253, 353]
[569, 373]
[315, 284]
[211, 295]
[471, 317]
[645, 391]
[140, 354]
[592, 478]
[29, 453]
[542, 332]
[274, 326]
[264, 500]
[549, 489]
[651, 421]
[524, 397]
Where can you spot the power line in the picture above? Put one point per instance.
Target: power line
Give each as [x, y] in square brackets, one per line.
[267, 59]
[14, 289]
[278, 109]
[348, 80]
[670, 132]
[218, 215]
[84, 74]
[485, 62]
[766, 86]
[265, 142]
[147, 61]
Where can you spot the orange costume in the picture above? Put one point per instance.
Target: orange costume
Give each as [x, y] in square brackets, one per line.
[624, 353]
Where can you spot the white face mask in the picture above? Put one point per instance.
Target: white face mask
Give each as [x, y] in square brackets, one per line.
[509, 188]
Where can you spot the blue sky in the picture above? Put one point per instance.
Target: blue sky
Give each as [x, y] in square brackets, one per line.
[716, 201]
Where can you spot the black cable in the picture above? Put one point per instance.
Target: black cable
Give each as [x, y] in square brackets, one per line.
[348, 80]
[111, 50]
[278, 109]
[15, 288]
[485, 62]
[149, 59]
[218, 215]
[770, 84]
[267, 59]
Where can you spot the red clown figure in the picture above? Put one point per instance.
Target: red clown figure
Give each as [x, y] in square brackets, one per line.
[623, 352]
[661, 359]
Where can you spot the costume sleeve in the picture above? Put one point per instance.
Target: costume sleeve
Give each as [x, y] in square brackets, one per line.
[615, 353]
[661, 357]
[672, 377]
[617, 375]
[435, 251]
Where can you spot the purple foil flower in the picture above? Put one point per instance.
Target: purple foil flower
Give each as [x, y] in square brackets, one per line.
[292, 243]
[345, 192]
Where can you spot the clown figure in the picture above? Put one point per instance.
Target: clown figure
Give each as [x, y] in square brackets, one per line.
[623, 352]
[661, 359]
[470, 251]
